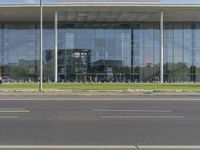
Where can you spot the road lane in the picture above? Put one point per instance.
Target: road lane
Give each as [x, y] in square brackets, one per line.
[77, 123]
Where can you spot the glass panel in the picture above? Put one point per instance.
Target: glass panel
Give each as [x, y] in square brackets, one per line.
[19, 52]
[94, 55]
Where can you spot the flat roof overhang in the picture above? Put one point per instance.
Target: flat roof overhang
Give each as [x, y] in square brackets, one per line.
[101, 12]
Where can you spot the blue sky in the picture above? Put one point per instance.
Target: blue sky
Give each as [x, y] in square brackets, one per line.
[163, 1]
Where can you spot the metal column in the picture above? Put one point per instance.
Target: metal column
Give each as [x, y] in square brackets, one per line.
[161, 47]
[56, 46]
[41, 47]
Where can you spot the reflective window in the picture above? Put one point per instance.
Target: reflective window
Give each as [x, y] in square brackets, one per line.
[102, 53]
[19, 52]
[181, 51]
[96, 55]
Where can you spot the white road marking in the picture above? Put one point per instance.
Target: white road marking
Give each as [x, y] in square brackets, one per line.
[14, 110]
[110, 110]
[68, 147]
[142, 117]
[168, 147]
[9, 117]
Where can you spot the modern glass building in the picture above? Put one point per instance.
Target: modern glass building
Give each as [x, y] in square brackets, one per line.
[101, 41]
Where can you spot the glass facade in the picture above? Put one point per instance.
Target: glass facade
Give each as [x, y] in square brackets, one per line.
[18, 52]
[101, 52]
[181, 52]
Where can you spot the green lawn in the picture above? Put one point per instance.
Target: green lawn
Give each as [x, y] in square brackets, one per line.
[102, 87]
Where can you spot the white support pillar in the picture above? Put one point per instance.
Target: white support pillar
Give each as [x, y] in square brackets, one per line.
[161, 47]
[41, 47]
[56, 46]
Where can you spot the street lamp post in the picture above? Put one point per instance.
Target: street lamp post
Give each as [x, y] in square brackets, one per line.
[41, 47]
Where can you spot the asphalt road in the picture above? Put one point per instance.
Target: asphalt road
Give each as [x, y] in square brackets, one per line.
[100, 123]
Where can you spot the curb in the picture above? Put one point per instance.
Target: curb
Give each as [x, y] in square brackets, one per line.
[97, 93]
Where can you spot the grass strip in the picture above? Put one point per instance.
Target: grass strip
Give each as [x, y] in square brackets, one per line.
[102, 87]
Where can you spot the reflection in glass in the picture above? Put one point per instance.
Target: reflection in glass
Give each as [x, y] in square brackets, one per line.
[99, 54]
[108, 52]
